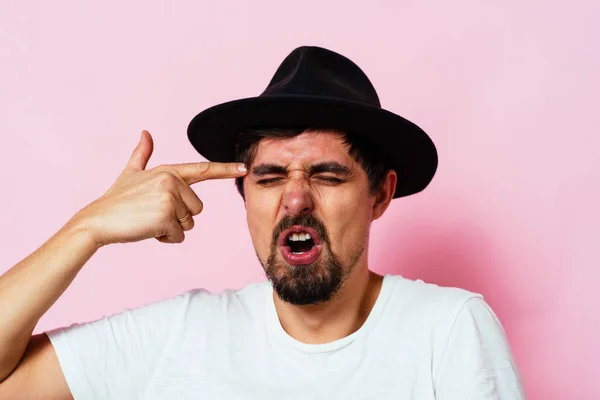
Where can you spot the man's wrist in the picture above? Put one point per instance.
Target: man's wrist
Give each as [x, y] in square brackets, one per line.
[83, 229]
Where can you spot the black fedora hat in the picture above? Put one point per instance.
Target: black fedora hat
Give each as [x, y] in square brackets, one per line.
[318, 88]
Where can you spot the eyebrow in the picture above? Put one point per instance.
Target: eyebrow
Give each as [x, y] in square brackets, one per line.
[269, 169]
[328, 166]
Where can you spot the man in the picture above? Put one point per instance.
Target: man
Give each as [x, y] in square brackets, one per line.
[316, 160]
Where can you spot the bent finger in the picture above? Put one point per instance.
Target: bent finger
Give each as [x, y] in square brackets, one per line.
[186, 221]
[174, 233]
[190, 199]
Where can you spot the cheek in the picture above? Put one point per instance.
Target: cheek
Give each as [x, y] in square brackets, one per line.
[261, 213]
[348, 220]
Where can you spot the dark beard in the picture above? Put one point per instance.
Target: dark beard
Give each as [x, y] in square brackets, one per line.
[304, 284]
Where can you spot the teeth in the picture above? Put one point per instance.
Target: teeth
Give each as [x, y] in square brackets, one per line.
[302, 236]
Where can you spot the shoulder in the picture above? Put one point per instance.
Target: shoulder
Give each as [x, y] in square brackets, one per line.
[453, 322]
[427, 310]
[429, 300]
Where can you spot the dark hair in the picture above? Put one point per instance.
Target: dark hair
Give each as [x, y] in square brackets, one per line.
[359, 148]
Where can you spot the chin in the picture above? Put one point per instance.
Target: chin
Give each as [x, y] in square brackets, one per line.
[305, 284]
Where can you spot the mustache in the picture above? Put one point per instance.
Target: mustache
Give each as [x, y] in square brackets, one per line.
[307, 220]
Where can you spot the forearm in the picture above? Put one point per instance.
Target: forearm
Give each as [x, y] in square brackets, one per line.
[141, 204]
[30, 288]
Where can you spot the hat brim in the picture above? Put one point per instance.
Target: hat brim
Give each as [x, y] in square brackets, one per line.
[404, 146]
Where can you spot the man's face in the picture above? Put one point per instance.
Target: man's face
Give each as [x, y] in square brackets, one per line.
[308, 184]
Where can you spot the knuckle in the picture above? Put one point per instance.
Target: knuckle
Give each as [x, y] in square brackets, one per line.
[204, 168]
[189, 225]
[179, 237]
[199, 208]
[166, 181]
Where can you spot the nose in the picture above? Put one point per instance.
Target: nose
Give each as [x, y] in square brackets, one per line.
[297, 198]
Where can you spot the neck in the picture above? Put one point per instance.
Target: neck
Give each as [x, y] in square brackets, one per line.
[339, 317]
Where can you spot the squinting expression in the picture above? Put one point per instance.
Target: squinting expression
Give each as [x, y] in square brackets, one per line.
[309, 209]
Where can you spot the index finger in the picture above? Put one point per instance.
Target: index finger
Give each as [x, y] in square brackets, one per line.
[201, 171]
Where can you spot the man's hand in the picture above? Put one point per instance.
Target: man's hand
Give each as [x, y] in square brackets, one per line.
[141, 204]
[144, 204]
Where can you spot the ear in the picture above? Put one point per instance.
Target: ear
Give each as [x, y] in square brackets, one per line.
[384, 194]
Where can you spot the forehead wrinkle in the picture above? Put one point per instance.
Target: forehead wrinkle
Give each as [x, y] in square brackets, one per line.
[310, 146]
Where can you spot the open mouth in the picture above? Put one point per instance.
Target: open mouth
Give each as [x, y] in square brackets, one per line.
[300, 242]
[300, 245]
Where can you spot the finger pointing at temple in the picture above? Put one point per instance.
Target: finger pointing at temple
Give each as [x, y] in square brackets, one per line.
[201, 171]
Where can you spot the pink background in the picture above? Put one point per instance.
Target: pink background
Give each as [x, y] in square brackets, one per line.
[508, 91]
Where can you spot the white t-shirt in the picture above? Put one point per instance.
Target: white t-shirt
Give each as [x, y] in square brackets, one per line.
[420, 341]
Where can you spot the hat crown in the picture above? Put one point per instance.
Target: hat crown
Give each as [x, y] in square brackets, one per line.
[315, 71]
[318, 88]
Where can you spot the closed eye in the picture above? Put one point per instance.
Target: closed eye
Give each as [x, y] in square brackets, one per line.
[326, 179]
[269, 181]
[329, 179]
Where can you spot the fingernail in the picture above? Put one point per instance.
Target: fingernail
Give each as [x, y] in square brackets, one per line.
[242, 167]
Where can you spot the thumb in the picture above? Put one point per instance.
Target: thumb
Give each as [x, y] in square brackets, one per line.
[141, 154]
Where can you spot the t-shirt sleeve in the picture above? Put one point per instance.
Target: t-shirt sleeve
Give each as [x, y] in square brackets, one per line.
[115, 357]
[477, 362]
